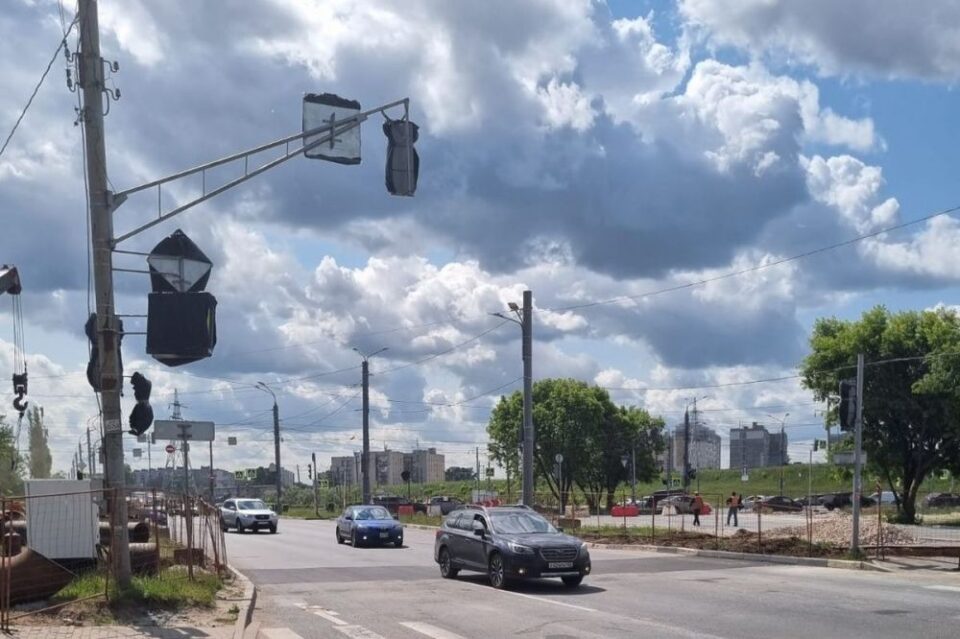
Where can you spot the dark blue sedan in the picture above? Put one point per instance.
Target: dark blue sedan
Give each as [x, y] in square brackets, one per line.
[368, 525]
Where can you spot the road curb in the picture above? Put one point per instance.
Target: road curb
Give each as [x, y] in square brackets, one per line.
[819, 562]
[246, 605]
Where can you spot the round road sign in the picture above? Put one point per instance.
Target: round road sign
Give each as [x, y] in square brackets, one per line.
[171, 449]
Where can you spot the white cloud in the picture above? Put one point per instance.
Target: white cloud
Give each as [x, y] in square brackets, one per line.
[885, 38]
[853, 189]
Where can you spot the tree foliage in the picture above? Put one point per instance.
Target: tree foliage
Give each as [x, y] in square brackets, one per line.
[460, 473]
[11, 464]
[581, 423]
[40, 458]
[910, 405]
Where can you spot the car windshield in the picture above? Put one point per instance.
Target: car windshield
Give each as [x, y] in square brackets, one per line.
[362, 514]
[251, 504]
[520, 523]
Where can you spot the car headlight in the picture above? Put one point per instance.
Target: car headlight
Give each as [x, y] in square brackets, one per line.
[584, 549]
[519, 549]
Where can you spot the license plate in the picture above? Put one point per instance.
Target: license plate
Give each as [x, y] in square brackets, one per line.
[384, 535]
[560, 564]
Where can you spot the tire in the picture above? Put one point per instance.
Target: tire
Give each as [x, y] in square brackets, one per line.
[223, 525]
[572, 582]
[447, 569]
[496, 572]
[240, 528]
[340, 539]
[273, 530]
[398, 543]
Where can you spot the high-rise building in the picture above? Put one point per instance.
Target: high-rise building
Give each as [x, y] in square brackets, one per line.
[777, 456]
[755, 447]
[704, 447]
[425, 466]
[387, 466]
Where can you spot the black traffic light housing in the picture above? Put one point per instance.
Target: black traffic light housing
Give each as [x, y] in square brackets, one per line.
[847, 411]
[141, 417]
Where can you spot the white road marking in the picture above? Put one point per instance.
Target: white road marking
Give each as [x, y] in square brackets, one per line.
[430, 631]
[279, 633]
[329, 615]
[947, 588]
[545, 600]
[358, 632]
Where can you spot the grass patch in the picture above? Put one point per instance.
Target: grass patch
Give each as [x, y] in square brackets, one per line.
[422, 520]
[171, 589]
[302, 512]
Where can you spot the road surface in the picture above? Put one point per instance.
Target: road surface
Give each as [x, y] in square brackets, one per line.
[310, 587]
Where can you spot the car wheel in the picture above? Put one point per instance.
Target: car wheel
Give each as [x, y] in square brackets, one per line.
[273, 530]
[398, 543]
[340, 539]
[497, 572]
[572, 581]
[223, 525]
[447, 571]
[240, 528]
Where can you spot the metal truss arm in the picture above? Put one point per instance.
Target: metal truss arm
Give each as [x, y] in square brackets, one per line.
[332, 131]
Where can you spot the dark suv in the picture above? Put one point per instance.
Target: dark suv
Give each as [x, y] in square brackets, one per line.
[508, 542]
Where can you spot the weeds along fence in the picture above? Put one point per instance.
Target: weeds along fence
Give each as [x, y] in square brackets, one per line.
[770, 525]
[196, 535]
[51, 538]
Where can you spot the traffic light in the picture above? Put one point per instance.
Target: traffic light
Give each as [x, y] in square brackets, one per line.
[692, 473]
[405, 475]
[310, 471]
[847, 410]
[141, 417]
[403, 162]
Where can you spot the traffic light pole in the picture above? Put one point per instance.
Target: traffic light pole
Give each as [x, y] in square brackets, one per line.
[101, 231]
[365, 455]
[529, 437]
[316, 499]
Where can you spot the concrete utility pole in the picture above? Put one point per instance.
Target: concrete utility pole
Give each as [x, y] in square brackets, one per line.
[101, 229]
[365, 455]
[276, 444]
[90, 456]
[857, 443]
[316, 499]
[529, 437]
[686, 449]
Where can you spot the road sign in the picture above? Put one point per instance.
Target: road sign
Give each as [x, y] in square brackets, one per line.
[845, 458]
[231, 441]
[489, 471]
[138, 452]
[194, 431]
[559, 458]
[171, 449]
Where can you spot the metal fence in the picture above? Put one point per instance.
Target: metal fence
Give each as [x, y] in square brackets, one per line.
[196, 536]
[824, 528]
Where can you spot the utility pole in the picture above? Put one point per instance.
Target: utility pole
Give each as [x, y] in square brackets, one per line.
[276, 445]
[857, 443]
[316, 499]
[529, 437]
[213, 497]
[298, 473]
[633, 473]
[477, 451]
[101, 230]
[686, 448]
[365, 455]
[90, 457]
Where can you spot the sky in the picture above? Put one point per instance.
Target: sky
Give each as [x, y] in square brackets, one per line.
[644, 168]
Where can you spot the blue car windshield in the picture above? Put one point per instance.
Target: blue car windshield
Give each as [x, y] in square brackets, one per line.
[519, 523]
[377, 512]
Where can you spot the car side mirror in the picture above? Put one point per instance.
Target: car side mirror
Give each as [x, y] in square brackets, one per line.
[348, 518]
[478, 529]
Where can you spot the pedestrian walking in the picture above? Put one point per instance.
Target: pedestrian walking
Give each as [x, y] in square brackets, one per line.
[734, 502]
[697, 508]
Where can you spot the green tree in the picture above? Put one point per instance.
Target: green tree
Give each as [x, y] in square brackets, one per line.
[11, 463]
[581, 423]
[910, 405]
[460, 473]
[40, 459]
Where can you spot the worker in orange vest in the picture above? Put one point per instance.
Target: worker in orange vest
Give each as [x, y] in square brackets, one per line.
[697, 508]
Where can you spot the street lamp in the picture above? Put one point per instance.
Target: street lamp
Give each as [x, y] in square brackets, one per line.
[276, 444]
[783, 454]
[365, 455]
[525, 321]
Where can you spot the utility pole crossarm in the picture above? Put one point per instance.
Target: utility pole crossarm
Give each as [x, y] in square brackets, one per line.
[332, 131]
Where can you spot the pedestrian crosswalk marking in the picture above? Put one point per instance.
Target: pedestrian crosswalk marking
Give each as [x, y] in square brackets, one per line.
[358, 632]
[947, 588]
[431, 631]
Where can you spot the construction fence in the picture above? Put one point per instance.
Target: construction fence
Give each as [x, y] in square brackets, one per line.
[56, 544]
[819, 526]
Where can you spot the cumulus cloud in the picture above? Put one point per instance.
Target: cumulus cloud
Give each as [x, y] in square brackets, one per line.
[889, 39]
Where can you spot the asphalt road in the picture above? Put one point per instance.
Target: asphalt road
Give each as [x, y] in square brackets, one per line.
[310, 587]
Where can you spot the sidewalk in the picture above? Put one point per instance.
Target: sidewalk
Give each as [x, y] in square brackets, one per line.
[120, 632]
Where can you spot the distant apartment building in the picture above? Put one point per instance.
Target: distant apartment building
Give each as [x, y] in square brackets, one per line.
[755, 447]
[704, 447]
[387, 466]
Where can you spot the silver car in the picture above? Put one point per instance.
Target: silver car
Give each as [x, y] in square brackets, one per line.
[247, 514]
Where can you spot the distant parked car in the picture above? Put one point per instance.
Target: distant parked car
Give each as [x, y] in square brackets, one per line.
[247, 514]
[157, 516]
[885, 498]
[446, 503]
[393, 503]
[778, 503]
[747, 503]
[844, 500]
[684, 504]
[367, 525]
[941, 500]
